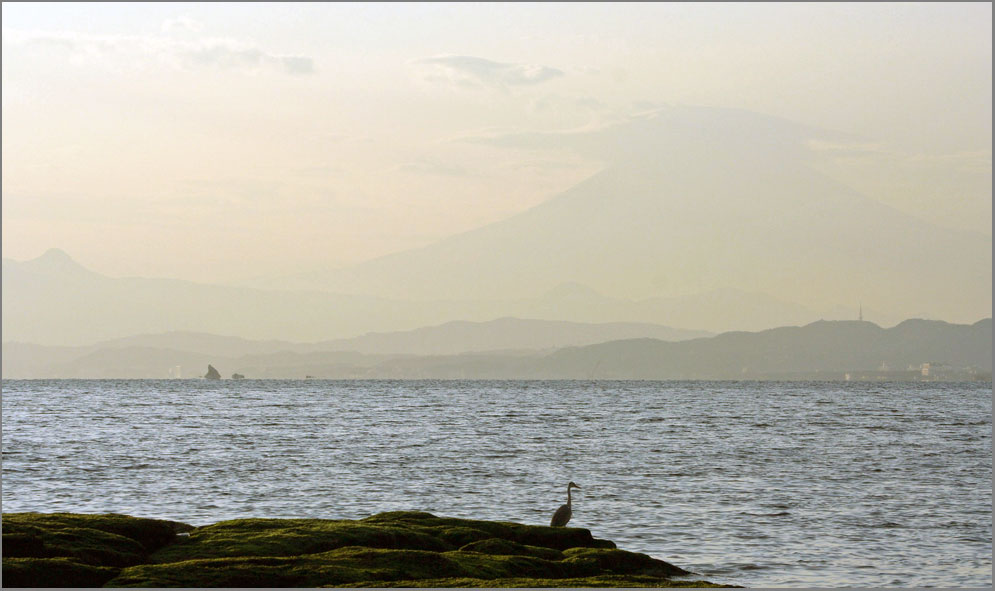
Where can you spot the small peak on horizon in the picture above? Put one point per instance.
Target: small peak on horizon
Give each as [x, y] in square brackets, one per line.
[55, 254]
[55, 259]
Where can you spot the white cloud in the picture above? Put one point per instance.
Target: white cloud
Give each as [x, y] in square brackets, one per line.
[182, 24]
[620, 137]
[468, 71]
[134, 50]
[226, 54]
[296, 64]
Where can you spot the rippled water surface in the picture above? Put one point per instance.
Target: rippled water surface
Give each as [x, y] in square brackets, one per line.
[756, 484]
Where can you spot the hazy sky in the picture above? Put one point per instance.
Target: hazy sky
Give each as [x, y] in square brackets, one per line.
[226, 141]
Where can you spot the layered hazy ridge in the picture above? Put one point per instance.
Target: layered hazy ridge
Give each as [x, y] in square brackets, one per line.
[700, 219]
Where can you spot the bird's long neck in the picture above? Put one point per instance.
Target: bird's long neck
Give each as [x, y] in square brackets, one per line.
[568, 496]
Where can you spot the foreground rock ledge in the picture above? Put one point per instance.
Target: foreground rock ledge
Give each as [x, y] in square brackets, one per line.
[399, 549]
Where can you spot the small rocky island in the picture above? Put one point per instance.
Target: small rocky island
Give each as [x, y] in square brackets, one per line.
[399, 549]
[212, 374]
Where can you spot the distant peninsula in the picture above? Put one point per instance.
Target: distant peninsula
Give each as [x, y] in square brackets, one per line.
[398, 549]
[914, 350]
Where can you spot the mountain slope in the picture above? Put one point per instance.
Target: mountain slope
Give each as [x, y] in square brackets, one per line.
[694, 200]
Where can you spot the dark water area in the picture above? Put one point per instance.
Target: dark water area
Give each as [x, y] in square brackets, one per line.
[755, 484]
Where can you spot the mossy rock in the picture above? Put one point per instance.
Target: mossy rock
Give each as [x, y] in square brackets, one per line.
[214, 572]
[64, 533]
[24, 544]
[292, 537]
[404, 549]
[508, 548]
[405, 530]
[347, 565]
[93, 546]
[557, 538]
[53, 572]
[341, 566]
[353, 565]
[495, 566]
[457, 536]
[360, 564]
[608, 560]
[74, 550]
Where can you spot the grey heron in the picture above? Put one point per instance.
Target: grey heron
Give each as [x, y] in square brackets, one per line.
[562, 515]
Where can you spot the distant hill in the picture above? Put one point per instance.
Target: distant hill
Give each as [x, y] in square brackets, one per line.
[459, 336]
[202, 343]
[821, 350]
[154, 355]
[719, 310]
[829, 348]
[504, 333]
[52, 300]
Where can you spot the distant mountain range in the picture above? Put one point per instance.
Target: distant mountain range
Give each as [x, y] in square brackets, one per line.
[821, 350]
[717, 203]
[503, 334]
[143, 355]
[53, 300]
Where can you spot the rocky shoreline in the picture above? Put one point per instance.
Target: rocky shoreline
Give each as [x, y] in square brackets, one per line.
[398, 549]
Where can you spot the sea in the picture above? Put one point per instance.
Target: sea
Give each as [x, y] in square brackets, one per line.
[759, 484]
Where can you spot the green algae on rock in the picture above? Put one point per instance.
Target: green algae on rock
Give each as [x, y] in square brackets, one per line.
[54, 572]
[509, 548]
[73, 550]
[292, 537]
[389, 549]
